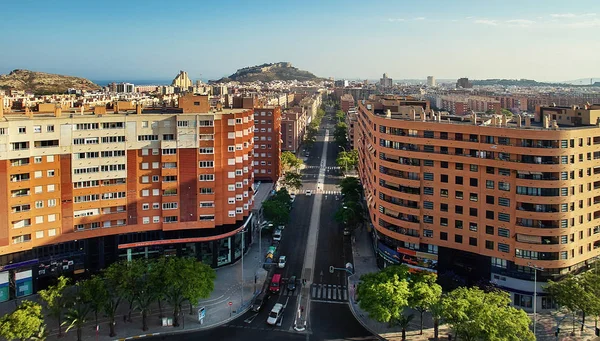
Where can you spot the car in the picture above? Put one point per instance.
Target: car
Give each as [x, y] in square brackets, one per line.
[275, 314]
[308, 193]
[307, 154]
[259, 301]
[282, 261]
[277, 235]
[291, 285]
[346, 232]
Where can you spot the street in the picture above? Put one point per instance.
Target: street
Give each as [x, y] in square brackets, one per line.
[330, 317]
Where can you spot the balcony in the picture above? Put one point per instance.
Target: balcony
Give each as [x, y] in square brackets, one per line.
[401, 160]
[542, 224]
[537, 207]
[401, 189]
[409, 218]
[540, 160]
[399, 230]
[537, 176]
[399, 202]
[546, 240]
[539, 143]
[399, 174]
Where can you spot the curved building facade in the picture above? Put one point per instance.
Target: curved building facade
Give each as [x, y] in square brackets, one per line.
[82, 189]
[481, 197]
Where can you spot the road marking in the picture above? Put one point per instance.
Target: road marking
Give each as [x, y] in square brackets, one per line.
[328, 293]
[345, 291]
[314, 291]
[332, 302]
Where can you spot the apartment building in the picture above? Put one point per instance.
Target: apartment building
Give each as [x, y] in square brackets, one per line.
[483, 199]
[351, 118]
[82, 189]
[267, 143]
[293, 126]
[346, 102]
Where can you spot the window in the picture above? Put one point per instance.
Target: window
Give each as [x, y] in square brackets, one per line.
[428, 176]
[489, 244]
[206, 177]
[39, 204]
[155, 165]
[473, 182]
[51, 202]
[169, 206]
[473, 197]
[145, 207]
[155, 178]
[50, 128]
[458, 224]
[472, 211]
[444, 221]
[503, 247]
[428, 233]
[473, 226]
[504, 171]
[443, 192]
[37, 174]
[489, 215]
[145, 179]
[206, 190]
[472, 241]
[502, 232]
[504, 217]
[206, 164]
[458, 238]
[443, 164]
[206, 150]
[428, 205]
[205, 204]
[145, 192]
[444, 178]
[504, 202]
[503, 186]
[489, 229]
[499, 262]
[444, 235]
[155, 206]
[458, 180]
[444, 207]
[146, 220]
[156, 219]
[473, 168]
[458, 209]
[489, 184]
[458, 195]
[489, 199]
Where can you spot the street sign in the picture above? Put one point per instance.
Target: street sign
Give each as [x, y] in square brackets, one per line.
[201, 313]
[230, 303]
[331, 269]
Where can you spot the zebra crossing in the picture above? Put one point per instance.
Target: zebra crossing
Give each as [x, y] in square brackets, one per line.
[286, 292]
[320, 191]
[326, 168]
[328, 292]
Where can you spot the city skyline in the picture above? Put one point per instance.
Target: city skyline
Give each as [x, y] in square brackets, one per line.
[122, 40]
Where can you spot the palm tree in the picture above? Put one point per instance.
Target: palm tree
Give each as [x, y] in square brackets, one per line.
[403, 322]
[76, 316]
[436, 315]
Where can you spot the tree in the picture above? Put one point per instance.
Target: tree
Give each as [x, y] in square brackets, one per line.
[276, 211]
[340, 116]
[577, 294]
[384, 295]
[77, 312]
[351, 189]
[55, 300]
[347, 160]
[340, 134]
[292, 180]
[436, 315]
[404, 322]
[477, 315]
[507, 112]
[144, 292]
[94, 292]
[424, 293]
[350, 214]
[290, 162]
[200, 281]
[113, 276]
[24, 323]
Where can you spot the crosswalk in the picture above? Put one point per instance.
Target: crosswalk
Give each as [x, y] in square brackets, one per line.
[320, 191]
[326, 168]
[287, 292]
[328, 292]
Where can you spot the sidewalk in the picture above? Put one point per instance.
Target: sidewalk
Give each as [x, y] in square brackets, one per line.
[228, 289]
[365, 262]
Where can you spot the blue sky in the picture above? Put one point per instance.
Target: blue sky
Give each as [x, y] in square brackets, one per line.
[538, 39]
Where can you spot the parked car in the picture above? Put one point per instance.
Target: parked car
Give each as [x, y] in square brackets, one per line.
[282, 261]
[277, 235]
[308, 193]
[346, 232]
[291, 286]
[260, 301]
[292, 197]
[275, 314]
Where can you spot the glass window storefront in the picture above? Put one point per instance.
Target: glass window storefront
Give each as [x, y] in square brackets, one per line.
[238, 246]
[206, 250]
[224, 252]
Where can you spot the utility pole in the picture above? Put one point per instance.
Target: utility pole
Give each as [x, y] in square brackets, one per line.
[535, 270]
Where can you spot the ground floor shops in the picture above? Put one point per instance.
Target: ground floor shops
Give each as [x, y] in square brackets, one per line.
[25, 273]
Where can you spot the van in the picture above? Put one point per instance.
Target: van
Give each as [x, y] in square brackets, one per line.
[275, 283]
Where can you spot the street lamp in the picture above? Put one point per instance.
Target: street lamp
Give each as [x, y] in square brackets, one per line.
[242, 232]
[535, 270]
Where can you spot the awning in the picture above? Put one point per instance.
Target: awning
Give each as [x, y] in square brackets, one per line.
[536, 173]
[523, 172]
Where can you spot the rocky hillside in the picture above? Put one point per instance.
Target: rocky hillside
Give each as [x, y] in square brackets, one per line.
[270, 72]
[43, 83]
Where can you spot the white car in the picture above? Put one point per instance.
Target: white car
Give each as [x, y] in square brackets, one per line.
[282, 261]
[308, 193]
[277, 235]
[275, 314]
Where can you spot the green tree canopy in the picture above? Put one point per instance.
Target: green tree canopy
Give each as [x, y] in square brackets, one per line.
[340, 116]
[277, 208]
[94, 292]
[577, 293]
[477, 315]
[347, 160]
[292, 180]
[340, 134]
[350, 213]
[424, 293]
[55, 300]
[24, 323]
[78, 310]
[113, 279]
[351, 189]
[384, 295]
[290, 162]
[199, 280]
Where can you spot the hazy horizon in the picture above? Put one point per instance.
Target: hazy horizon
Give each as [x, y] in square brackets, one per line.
[342, 39]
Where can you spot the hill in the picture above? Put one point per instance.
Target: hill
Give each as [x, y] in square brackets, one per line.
[41, 83]
[269, 72]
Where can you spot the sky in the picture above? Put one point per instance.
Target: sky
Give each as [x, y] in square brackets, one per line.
[545, 40]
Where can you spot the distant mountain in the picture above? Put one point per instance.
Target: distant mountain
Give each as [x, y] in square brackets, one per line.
[584, 81]
[42, 83]
[269, 72]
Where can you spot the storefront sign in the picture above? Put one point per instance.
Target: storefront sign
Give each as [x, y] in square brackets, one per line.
[4, 287]
[389, 254]
[24, 283]
[27, 263]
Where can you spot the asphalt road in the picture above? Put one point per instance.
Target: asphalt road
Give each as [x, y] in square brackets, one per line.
[330, 317]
